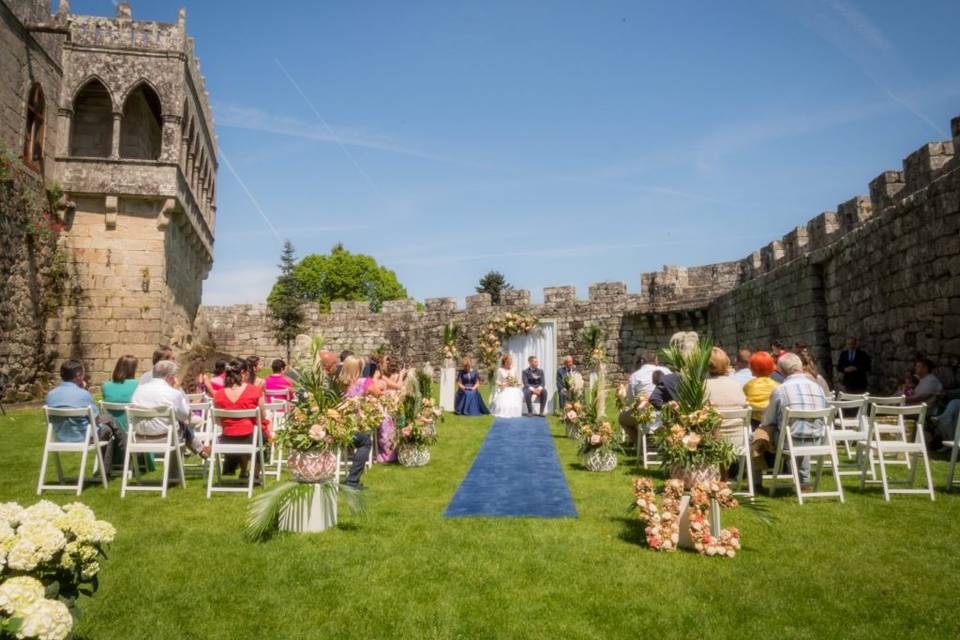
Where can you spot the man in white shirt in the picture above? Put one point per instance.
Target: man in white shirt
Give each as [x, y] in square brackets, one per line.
[743, 375]
[929, 386]
[161, 392]
[641, 380]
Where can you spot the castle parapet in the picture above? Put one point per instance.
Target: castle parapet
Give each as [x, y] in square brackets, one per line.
[559, 295]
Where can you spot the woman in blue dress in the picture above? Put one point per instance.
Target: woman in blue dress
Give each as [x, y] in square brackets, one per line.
[469, 401]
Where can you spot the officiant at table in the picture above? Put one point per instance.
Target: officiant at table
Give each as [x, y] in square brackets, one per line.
[569, 367]
[534, 386]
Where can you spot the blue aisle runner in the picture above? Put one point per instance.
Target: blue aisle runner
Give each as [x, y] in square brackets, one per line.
[516, 474]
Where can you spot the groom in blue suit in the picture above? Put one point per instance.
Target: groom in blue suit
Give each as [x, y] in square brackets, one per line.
[534, 385]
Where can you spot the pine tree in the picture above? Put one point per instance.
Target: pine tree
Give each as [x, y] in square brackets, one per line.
[495, 284]
[285, 301]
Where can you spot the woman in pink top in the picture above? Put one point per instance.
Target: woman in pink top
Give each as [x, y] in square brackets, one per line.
[278, 380]
[216, 382]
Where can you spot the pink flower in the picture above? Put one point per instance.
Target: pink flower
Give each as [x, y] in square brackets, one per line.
[594, 439]
[317, 432]
[407, 431]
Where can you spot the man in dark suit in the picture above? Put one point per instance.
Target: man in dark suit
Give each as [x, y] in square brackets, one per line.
[854, 365]
[565, 370]
[533, 385]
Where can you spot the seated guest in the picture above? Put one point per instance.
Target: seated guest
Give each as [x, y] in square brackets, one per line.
[568, 368]
[909, 384]
[358, 385]
[346, 353]
[759, 388]
[371, 367]
[810, 368]
[239, 394]
[278, 380]
[798, 391]
[120, 387]
[194, 380]
[468, 400]
[329, 361]
[944, 426]
[72, 393]
[162, 391]
[666, 389]
[640, 381]
[163, 353]
[723, 390]
[253, 371]
[743, 373]
[215, 382]
[928, 386]
[777, 350]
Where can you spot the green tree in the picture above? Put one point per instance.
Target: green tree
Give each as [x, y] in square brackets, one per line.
[345, 276]
[495, 284]
[285, 301]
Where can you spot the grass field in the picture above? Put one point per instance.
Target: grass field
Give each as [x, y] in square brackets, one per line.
[180, 567]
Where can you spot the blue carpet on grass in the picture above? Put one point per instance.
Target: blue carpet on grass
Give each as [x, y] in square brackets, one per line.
[516, 474]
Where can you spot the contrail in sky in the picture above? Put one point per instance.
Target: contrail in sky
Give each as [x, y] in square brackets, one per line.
[253, 200]
[326, 125]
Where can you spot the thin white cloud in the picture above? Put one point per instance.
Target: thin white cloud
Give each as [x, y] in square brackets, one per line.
[239, 116]
[864, 27]
[289, 232]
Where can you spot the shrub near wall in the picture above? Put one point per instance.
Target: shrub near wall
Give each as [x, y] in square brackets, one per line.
[33, 274]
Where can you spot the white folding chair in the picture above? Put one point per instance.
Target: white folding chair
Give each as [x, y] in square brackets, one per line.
[194, 398]
[645, 453]
[954, 446]
[202, 423]
[276, 410]
[850, 429]
[53, 446]
[898, 430]
[843, 396]
[167, 450]
[878, 448]
[736, 431]
[254, 449]
[788, 447]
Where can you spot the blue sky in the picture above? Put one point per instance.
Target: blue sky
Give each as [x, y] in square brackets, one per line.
[558, 142]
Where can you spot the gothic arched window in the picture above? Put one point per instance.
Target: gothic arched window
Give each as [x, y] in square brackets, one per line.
[33, 136]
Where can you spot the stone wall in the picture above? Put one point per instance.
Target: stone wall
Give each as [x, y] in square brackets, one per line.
[674, 299]
[884, 268]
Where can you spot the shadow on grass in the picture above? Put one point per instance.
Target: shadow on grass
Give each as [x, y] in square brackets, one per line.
[632, 531]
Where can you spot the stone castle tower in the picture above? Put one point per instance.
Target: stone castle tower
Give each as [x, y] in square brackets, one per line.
[115, 113]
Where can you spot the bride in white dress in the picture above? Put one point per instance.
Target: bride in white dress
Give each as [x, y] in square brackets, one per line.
[508, 401]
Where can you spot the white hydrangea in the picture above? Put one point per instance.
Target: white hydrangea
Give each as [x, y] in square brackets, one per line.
[47, 539]
[104, 532]
[89, 570]
[10, 513]
[6, 531]
[46, 620]
[43, 511]
[17, 594]
[79, 507]
[23, 555]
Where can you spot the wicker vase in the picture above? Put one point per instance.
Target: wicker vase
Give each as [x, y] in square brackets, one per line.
[599, 460]
[410, 455]
[572, 431]
[691, 476]
[312, 466]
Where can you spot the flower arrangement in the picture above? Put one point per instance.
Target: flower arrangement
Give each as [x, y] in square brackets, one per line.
[420, 423]
[512, 381]
[592, 338]
[690, 442]
[48, 556]
[448, 348]
[571, 418]
[595, 435]
[494, 332]
[662, 525]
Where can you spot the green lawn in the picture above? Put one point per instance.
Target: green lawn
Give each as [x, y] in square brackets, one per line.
[180, 567]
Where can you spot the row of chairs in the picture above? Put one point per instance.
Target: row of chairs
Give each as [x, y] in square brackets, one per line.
[872, 429]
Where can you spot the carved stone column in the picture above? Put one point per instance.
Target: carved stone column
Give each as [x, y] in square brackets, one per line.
[115, 144]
